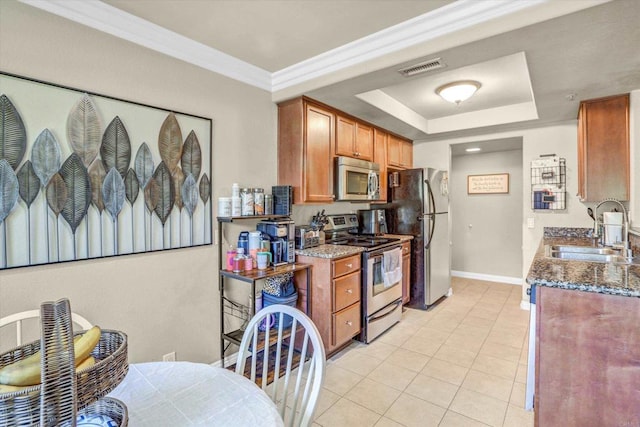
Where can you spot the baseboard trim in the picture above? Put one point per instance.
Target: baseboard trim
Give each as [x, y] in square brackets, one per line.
[525, 305]
[488, 277]
[230, 360]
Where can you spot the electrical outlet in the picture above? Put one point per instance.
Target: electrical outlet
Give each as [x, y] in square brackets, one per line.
[531, 223]
[169, 357]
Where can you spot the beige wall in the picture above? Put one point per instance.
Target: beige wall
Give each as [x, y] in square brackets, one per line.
[559, 139]
[165, 301]
[485, 228]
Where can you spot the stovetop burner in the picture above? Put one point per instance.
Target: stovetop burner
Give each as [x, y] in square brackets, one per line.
[362, 241]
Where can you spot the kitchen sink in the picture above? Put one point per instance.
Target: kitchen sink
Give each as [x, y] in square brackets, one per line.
[585, 250]
[587, 253]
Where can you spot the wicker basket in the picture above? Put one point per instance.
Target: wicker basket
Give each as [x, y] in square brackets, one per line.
[24, 407]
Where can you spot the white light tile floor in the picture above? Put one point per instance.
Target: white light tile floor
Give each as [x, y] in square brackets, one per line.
[461, 363]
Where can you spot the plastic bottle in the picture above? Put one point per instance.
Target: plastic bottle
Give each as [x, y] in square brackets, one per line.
[238, 261]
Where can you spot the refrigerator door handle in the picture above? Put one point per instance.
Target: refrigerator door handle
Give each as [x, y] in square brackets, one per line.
[432, 228]
[432, 211]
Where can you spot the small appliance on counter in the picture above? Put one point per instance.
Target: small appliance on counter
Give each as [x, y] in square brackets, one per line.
[307, 236]
[282, 236]
[372, 222]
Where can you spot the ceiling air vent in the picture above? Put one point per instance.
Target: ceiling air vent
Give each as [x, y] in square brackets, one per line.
[423, 67]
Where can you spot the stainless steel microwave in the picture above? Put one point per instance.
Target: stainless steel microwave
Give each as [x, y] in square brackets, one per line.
[356, 180]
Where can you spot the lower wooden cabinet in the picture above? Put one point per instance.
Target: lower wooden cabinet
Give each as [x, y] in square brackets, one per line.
[406, 272]
[335, 299]
[587, 359]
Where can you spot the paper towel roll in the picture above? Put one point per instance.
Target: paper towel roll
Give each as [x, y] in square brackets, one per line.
[612, 222]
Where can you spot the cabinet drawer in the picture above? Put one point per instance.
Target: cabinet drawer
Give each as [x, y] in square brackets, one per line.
[346, 265]
[346, 291]
[346, 324]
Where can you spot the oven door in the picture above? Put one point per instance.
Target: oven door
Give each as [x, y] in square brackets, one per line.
[379, 295]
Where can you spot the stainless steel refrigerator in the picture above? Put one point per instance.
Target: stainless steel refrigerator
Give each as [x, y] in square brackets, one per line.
[418, 205]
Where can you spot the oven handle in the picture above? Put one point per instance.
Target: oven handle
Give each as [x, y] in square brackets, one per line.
[378, 252]
[377, 318]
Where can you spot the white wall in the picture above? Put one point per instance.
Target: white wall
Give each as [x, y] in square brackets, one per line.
[486, 228]
[166, 301]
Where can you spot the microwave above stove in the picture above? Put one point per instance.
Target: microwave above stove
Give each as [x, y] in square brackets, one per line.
[356, 180]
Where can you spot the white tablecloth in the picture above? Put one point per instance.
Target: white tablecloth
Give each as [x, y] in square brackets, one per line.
[193, 394]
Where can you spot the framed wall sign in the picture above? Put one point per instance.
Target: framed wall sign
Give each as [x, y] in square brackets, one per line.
[84, 175]
[488, 184]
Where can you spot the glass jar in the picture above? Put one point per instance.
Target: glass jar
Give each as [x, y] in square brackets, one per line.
[268, 204]
[258, 201]
[246, 195]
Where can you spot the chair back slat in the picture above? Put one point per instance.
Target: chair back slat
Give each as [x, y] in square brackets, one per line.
[297, 385]
[18, 319]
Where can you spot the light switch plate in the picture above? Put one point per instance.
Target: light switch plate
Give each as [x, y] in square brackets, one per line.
[531, 222]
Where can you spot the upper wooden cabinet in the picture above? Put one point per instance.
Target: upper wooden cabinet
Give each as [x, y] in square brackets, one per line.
[603, 149]
[380, 157]
[306, 136]
[311, 135]
[399, 153]
[353, 139]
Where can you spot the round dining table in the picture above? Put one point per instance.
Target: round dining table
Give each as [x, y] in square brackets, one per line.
[193, 394]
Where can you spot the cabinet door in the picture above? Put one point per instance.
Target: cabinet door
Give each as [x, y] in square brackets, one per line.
[345, 137]
[603, 149]
[318, 156]
[364, 142]
[380, 157]
[406, 272]
[407, 154]
[346, 324]
[394, 151]
[586, 359]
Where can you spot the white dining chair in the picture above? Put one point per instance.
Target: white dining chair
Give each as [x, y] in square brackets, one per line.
[295, 390]
[18, 318]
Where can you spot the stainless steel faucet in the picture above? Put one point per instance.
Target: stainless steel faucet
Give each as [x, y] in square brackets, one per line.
[624, 245]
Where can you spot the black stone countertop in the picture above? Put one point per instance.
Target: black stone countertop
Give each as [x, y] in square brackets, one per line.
[603, 278]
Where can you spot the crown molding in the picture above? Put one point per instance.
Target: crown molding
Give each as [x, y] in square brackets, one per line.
[449, 19]
[108, 19]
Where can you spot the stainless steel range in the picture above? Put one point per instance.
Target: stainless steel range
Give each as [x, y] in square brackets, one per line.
[381, 274]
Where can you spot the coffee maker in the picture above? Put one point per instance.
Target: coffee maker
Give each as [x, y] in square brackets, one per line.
[282, 236]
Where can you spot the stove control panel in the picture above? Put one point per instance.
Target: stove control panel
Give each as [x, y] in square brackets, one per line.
[341, 222]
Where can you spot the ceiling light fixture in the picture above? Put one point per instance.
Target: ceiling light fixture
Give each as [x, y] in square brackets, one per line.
[472, 150]
[456, 92]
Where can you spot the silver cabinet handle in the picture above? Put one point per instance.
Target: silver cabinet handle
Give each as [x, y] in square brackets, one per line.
[348, 323]
[349, 265]
[349, 291]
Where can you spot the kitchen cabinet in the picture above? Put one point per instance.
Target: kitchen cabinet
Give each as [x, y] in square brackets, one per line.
[587, 352]
[335, 298]
[406, 272]
[380, 157]
[399, 153]
[353, 139]
[603, 149]
[306, 135]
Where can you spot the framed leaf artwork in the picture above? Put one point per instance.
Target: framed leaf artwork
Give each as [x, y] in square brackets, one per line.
[84, 175]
